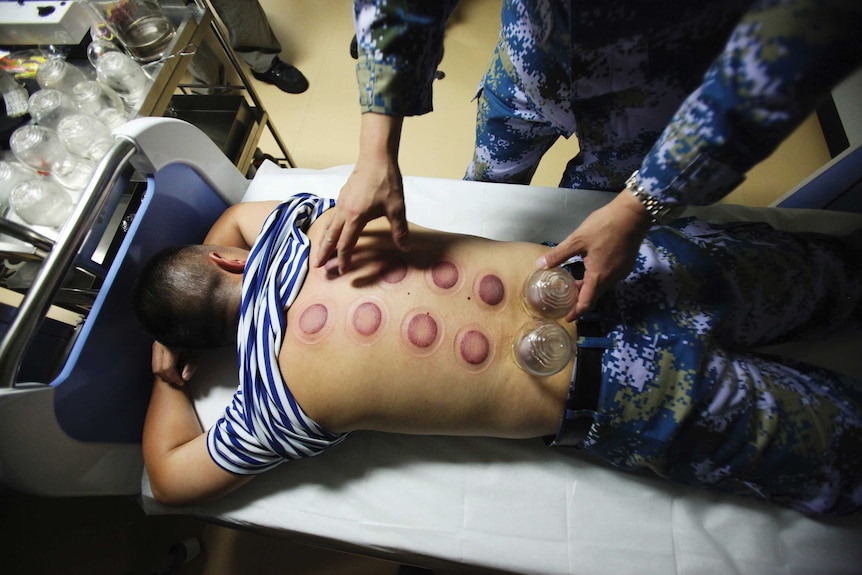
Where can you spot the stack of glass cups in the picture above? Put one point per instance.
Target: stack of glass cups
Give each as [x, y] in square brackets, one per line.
[124, 76]
[98, 100]
[41, 202]
[543, 347]
[85, 135]
[11, 174]
[41, 149]
[48, 106]
[57, 74]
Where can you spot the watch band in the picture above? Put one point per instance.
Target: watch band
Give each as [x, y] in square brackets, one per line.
[659, 213]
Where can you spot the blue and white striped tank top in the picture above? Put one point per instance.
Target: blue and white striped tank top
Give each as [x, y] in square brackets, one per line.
[263, 425]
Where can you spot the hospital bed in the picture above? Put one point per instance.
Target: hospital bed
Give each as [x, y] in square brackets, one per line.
[512, 506]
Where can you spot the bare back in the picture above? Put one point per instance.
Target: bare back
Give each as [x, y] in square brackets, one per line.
[419, 342]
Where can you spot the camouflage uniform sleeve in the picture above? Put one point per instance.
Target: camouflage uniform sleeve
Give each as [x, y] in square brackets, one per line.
[781, 59]
[400, 44]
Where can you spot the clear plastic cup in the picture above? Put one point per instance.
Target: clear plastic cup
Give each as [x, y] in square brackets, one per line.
[542, 347]
[550, 293]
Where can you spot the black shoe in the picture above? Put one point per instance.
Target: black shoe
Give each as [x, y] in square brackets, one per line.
[354, 48]
[286, 77]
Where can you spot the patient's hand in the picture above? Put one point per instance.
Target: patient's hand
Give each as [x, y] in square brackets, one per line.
[176, 366]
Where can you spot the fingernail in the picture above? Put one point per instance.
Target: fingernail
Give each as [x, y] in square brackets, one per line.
[542, 263]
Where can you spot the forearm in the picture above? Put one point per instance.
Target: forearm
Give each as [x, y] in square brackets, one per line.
[174, 447]
[779, 62]
[379, 138]
[171, 422]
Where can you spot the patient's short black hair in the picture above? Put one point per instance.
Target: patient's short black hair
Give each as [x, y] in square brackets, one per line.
[180, 300]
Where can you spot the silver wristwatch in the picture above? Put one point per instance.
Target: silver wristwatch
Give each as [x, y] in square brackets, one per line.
[659, 212]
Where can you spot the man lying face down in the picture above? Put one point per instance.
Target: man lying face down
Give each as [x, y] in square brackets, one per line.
[421, 342]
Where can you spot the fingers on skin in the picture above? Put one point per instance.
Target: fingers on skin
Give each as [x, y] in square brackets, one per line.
[340, 237]
[397, 217]
[325, 251]
[331, 233]
[401, 235]
[346, 242]
[331, 266]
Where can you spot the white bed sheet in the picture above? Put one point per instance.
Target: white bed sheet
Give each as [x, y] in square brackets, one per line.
[518, 506]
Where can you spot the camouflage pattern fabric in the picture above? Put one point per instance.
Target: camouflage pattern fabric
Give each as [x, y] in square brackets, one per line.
[400, 43]
[612, 73]
[637, 88]
[782, 58]
[684, 395]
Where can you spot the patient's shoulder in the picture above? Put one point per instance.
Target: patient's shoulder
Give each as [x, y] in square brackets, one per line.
[240, 224]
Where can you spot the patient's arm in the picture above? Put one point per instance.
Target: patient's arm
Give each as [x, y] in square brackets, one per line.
[179, 466]
[240, 224]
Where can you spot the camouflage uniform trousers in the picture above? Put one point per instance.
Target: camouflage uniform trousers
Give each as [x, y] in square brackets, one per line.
[684, 395]
[614, 134]
[615, 85]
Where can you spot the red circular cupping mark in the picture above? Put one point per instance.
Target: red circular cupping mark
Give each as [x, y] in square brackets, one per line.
[367, 318]
[313, 319]
[444, 275]
[394, 272]
[422, 330]
[474, 347]
[491, 289]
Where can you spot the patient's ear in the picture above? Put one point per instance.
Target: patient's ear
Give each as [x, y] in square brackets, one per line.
[230, 265]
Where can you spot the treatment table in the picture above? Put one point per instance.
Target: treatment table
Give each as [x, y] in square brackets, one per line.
[457, 503]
